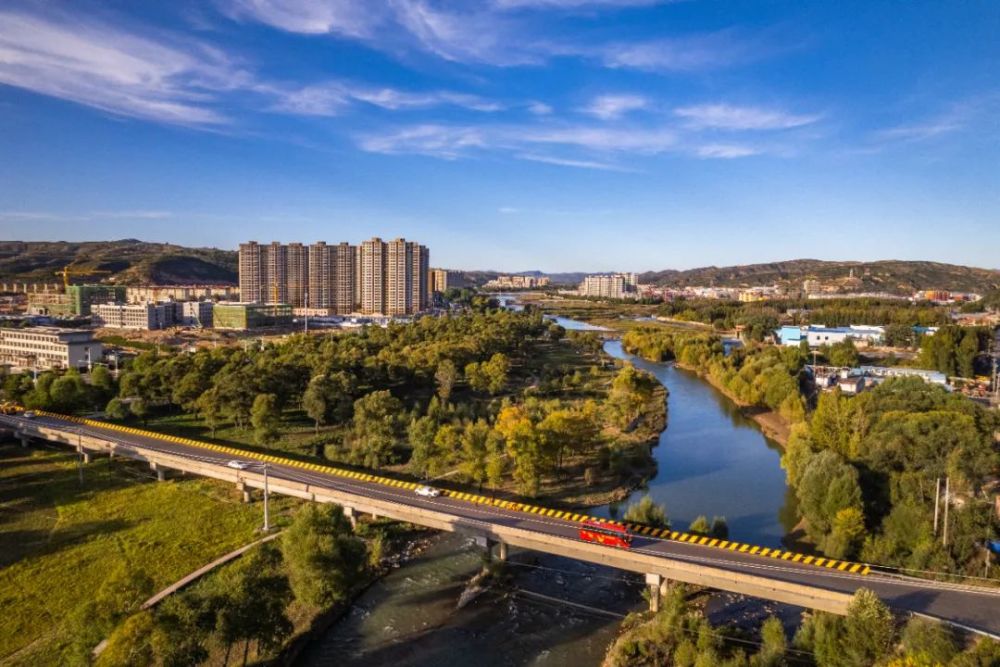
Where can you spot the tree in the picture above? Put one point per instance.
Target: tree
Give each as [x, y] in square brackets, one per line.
[475, 451]
[774, 643]
[265, 417]
[131, 643]
[631, 390]
[700, 526]
[253, 608]
[423, 457]
[846, 533]
[445, 377]
[375, 429]
[869, 628]
[496, 371]
[67, 393]
[116, 410]
[139, 408]
[324, 557]
[843, 354]
[647, 512]
[314, 403]
[966, 353]
[523, 445]
[928, 642]
[209, 406]
[828, 485]
[720, 528]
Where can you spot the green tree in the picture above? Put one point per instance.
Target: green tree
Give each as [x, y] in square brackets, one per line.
[423, 458]
[139, 408]
[647, 512]
[774, 643]
[966, 353]
[445, 377]
[210, 408]
[375, 429]
[265, 417]
[68, 393]
[475, 451]
[843, 354]
[869, 628]
[828, 485]
[928, 642]
[314, 402]
[631, 390]
[700, 526]
[323, 556]
[116, 410]
[130, 644]
[496, 371]
[524, 447]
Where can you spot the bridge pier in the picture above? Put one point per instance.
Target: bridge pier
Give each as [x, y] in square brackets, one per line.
[488, 545]
[86, 456]
[657, 588]
[24, 441]
[160, 472]
[349, 513]
[242, 488]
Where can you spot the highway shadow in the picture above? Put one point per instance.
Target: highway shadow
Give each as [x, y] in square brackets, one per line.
[16, 545]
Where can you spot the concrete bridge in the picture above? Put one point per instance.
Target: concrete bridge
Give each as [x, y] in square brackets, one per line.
[661, 556]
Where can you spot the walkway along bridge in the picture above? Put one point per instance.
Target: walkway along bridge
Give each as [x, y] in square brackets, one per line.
[660, 555]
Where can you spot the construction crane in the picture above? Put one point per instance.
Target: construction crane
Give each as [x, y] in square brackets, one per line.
[68, 271]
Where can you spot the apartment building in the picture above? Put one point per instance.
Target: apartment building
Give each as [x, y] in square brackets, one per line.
[372, 285]
[156, 293]
[439, 280]
[373, 278]
[610, 286]
[48, 347]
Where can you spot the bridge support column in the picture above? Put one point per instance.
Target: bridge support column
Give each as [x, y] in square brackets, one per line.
[656, 585]
[160, 472]
[241, 487]
[349, 513]
[24, 441]
[86, 456]
[502, 551]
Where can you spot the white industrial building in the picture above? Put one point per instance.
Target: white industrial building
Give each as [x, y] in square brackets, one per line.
[48, 347]
[136, 316]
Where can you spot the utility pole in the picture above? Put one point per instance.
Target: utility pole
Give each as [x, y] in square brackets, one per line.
[79, 456]
[937, 503]
[267, 517]
[947, 501]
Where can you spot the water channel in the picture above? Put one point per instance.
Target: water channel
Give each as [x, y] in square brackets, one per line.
[711, 460]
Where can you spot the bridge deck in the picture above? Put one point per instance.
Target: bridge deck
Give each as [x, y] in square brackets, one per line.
[781, 579]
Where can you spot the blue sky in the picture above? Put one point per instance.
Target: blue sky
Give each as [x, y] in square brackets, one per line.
[510, 134]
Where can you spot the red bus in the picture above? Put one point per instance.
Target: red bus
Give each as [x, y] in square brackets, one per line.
[609, 534]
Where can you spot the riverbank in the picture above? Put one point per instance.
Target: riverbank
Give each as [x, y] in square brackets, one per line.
[771, 422]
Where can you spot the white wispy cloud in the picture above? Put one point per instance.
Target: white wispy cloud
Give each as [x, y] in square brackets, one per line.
[350, 18]
[331, 98]
[574, 4]
[48, 216]
[685, 53]
[108, 68]
[727, 117]
[540, 108]
[570, 162]
[609, 107]
[725, 151]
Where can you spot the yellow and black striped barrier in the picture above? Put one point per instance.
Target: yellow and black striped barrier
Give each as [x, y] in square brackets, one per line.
[638, 529]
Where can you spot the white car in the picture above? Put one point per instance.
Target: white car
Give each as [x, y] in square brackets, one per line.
[28, 414]
[427, 492]
[238, 465]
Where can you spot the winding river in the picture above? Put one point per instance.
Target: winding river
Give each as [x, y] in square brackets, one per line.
[711, 460]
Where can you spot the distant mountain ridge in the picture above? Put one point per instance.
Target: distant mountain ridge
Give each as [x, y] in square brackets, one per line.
[127, 261]
[895, 276]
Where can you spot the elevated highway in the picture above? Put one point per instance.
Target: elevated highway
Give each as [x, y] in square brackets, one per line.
[661, 556]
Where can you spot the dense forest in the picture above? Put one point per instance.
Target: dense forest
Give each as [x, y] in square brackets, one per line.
[495, 396]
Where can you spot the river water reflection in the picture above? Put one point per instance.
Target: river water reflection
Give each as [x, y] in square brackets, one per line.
[712, 460]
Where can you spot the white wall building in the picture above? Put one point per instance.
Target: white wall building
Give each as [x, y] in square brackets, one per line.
[48, 347]
[610, 286]
[136, 316]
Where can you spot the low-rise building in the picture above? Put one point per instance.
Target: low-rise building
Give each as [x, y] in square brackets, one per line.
[48, 347]
[242, 316]
[136, 316]
[817, 336]
[157, 293]
[517, 282]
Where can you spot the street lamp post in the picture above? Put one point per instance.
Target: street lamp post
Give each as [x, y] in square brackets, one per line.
[267, 521]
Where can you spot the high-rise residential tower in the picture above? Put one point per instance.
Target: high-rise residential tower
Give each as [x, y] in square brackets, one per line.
[374, 278]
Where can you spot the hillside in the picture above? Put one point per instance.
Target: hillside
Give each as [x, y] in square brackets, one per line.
[129, 261]
[896, 276]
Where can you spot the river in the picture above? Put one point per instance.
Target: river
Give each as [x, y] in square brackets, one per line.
[711, 460]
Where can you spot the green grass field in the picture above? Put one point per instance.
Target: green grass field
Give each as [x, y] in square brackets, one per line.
[58, 539]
